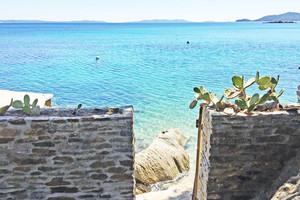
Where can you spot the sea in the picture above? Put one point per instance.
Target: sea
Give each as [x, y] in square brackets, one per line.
[148, 66]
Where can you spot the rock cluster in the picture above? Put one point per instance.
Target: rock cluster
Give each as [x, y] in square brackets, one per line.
[289, 190]
[163, 160]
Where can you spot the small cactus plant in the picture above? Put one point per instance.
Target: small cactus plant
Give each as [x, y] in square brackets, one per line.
[25, 106]
[244, 102]
[5, 108]
[202, 94]
[76, 110]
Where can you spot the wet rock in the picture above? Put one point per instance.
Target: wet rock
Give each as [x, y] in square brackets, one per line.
[163, 160]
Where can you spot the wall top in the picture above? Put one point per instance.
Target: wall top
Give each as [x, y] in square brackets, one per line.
[92, 113]
[215, 113]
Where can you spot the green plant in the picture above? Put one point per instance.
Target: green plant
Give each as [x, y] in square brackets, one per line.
[243, 101]
[5, 108]
[202, 94]
[76, 110]
[30, 109]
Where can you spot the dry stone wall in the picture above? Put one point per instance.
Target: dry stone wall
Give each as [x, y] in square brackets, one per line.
[247, 153]
[58, 156]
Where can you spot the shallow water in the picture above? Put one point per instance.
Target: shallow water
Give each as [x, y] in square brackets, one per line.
[149, 66]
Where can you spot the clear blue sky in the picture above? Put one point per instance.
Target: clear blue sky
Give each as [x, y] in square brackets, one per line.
[132, 10]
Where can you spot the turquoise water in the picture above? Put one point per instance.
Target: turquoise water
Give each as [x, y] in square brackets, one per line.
[149, 66]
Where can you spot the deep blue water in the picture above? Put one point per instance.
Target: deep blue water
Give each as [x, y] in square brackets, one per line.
[149, 66]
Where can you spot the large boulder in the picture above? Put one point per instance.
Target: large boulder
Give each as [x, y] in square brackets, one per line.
[163, 160]
[289, 190]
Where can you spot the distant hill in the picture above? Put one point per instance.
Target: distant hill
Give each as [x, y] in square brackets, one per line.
[243, 20]
[89, 21]
[42, 21]
[163, 21]
[289, 16]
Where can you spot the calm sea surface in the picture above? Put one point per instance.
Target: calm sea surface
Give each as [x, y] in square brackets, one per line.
[149, 66]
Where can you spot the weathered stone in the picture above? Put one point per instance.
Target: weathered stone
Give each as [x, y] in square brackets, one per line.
[73, 119]
[36, 173]
[74, 135]
[120, 140]
[163, 160]
[17, 121]
[44, 137]
[104, 152]
[94, 140]
[29, 159]
[78, 173]
[127, 163]
[104, 164]
[75, 140]
[64, 189]
[124, 150]
[121, 177]
[57, 182]
[5, 171]
[22, 169]
[126, 132]
[27, 140]
[61, 198]
[63, 158]
[44, 144]
[103, 146]
[99, 176]
[38, 195]
[5, 140]
[87, 196]
[117, 170]
[46, 169]
[59, 137]
[271, 139]
[8, 132]
[34, 132]
[106, 196]
[44, 152]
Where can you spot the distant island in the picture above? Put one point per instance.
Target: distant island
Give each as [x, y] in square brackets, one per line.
[42, 21]
[90, 21]
[279, 22]
[288, 17]
[163, 21]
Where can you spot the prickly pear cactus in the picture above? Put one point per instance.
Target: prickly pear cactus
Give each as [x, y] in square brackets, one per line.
[5, 108]
[244, 102]
[26, 107]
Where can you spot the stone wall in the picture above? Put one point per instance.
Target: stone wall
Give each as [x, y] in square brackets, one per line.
[247, 153]
[58, 156]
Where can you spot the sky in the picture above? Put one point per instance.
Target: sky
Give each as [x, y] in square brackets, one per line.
[134, 10]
